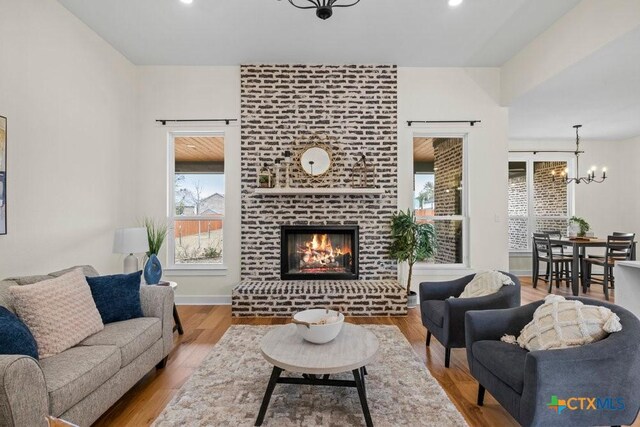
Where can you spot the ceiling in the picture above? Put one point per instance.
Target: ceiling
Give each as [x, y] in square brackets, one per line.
[425, 33]
[199, 149]
[423, 150]
[601, 92]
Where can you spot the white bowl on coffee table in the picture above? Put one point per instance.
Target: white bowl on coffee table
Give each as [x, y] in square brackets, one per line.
[318, 325]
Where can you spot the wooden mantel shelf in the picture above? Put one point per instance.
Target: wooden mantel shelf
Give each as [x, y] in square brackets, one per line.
[293, 191]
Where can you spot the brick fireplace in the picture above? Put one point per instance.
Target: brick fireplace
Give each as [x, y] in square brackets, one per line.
[356, 105]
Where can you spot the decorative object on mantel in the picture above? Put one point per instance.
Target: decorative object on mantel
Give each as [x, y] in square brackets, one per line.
[130, 241]
[591, 174]
[287, 169]
[264, 177]
[324, 8]
[276, 173]
[363, 174]
[578, 227]
[412, 242]
[156, 233]
[3, 175]
[315, 159]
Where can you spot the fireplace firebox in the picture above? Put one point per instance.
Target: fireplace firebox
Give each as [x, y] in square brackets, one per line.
[319, 252]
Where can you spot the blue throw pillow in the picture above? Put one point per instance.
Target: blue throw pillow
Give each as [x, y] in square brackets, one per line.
[15, 337]
[117, 297]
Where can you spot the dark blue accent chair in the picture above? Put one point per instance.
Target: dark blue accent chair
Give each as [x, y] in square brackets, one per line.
[524, 382]
[444, 317]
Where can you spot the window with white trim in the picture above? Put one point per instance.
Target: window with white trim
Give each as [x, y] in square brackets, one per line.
[197, 200]
[440, 196]
[539, 201]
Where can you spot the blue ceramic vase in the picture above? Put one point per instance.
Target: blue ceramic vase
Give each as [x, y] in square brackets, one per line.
[153, 270]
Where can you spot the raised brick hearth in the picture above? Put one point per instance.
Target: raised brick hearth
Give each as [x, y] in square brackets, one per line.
[352, 298]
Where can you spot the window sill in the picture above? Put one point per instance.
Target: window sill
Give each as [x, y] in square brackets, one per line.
[219, 270]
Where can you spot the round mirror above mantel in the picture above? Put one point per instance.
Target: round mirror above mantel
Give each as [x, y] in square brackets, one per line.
[315, 161]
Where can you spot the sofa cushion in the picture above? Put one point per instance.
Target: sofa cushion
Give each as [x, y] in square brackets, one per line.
[434, 311]
[60, 312]
[5, 294]
[117, 296]
[132, 337]
[73, 374]
[15, 337]
[505, 361]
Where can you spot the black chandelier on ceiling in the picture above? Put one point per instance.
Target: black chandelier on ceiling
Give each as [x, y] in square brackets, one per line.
[591, 174]
[324, 8]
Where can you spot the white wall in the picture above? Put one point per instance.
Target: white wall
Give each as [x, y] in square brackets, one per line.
[461, 94]
[70, 102]
[189, 93]
[608, 206]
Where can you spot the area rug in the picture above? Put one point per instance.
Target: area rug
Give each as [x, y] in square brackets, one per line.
[227, 390]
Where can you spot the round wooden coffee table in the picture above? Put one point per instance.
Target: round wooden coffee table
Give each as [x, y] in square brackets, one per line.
[352, 350]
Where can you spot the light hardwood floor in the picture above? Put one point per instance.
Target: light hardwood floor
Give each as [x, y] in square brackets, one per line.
[204, 325]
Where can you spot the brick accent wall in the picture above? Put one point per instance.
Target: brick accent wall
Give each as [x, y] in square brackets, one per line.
[518, 205]
[282, 104]
[448, 174]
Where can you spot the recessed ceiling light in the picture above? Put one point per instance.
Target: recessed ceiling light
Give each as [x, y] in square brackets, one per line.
[191, 146]
[186, 1]
[454, 3]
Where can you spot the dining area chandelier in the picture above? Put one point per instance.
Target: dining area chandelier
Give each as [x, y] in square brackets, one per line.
[324, 8]
[591, 173]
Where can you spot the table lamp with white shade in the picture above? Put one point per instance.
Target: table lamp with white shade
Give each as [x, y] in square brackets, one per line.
[130, 241]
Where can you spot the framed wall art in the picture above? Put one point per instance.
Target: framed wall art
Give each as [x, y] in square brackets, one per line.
[3, 175]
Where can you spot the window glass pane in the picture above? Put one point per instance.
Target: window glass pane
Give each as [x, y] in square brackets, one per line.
[518, 235]
[424, 194]
[549, 195]
[449, 238]
[448, 176]
[518, 201]
[198, 242]
[551, 225]
[199, 194]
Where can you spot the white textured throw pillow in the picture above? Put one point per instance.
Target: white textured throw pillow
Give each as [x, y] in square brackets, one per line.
[561, 323]
[485, 283]
[59, 312]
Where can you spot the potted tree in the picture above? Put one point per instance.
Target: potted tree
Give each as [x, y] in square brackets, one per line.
[413, 241]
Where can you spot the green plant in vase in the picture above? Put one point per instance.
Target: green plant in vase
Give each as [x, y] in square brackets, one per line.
[412, 241]
[156, 233]
[582, 224]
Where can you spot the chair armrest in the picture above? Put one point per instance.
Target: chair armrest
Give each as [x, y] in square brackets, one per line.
[157, 301]
[493, 324]
[24, 400]
[456, 309]
[443, 290]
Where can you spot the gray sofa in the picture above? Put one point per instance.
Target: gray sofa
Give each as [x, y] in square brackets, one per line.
[81, 383]
[524, 382]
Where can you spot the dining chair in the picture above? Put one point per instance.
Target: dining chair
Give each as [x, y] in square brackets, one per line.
[619, 248]
[558, 264]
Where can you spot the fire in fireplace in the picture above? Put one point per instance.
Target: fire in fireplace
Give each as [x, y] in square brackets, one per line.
[319, 252]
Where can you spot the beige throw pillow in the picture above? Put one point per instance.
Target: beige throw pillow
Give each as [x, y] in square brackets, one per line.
[561, 323]
[59, 312]
[485, 283]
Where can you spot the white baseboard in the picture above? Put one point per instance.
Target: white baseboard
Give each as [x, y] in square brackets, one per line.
[203, 299]
[520, 272]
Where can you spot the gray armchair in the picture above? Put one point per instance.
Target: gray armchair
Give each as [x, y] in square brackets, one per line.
[444, 317]
[525, 382]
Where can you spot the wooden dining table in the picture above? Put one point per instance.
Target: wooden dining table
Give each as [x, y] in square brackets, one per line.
[579, 247]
